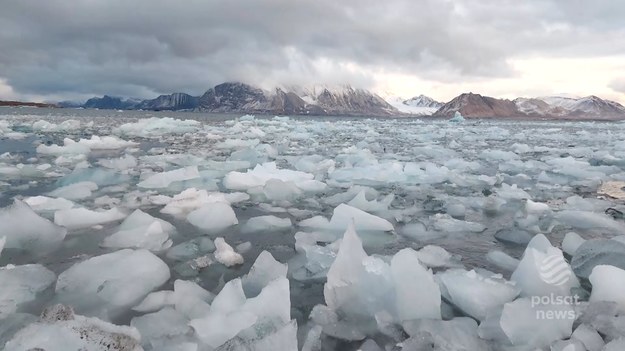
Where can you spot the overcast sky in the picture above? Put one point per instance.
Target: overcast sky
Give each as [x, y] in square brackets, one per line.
[75, 49]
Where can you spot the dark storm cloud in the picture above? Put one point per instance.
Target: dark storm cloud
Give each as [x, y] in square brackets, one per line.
[144, 47]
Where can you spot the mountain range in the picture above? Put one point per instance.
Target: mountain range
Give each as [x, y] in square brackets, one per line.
[344, 100]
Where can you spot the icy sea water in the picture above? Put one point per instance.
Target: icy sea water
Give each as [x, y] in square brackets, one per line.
[453, 185]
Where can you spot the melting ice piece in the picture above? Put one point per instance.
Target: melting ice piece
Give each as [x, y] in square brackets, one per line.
[266, 223]
[192, 198]
[359, 286]
[213, 217]
[44, 203]
[21, 284]
[264, 318]
[191, 249]
[261, 174]
[60, 330]
[502, 260]
[70, 147]
[436, 257]
[106, 143]
[343, 215]
[528, 322]
[456, 334]
[141, 231]
[76, 218]
[155, 127]
[76, 191]
[360, 201]
[112, 282]
[543, 270]
[23, 229]
[475, 294]
[225, 254]
[608, 284]
[571, 242]
[264, 270]
[589, 220]
[597, 252]
[164, 179]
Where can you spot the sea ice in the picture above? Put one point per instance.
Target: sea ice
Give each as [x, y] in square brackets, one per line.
[164, 179]
[23, 229]
[608, 284]
[76, 191]
[109, 284]
[213, 217]
[571, 242]
[22, 284]
[264, 270]
[77, 218]
[543, 270]
[266, 223]
[261, 174]
[343, 215]
[597, 252]
[44, 204]
[61, 330]
[141, 231]
[225, 254]
[475, 294]
[155, 127]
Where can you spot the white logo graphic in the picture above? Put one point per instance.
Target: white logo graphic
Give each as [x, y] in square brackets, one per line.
[554, 270]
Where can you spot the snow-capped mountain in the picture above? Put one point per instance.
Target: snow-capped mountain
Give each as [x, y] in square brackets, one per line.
[475, 106]
[316, 100]
[419, 105]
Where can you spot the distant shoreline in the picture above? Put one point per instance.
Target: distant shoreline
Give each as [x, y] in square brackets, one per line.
[18, 104]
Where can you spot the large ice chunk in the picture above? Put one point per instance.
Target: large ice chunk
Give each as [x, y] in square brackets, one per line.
[343, 215]
[111, 283]
[75, 191]
[23, 229]
[141, 231]
[61, 330]
[76, 218]
[213, 217]
[264, 270]
[70, 147]
[598, 252]
[543, 270]
[44, 203]
[527, 322]
[360, 287]
[108, 142]
[266, 223]
[155, 127]
[21, 284]
[261, 174]
[608, 284]
[360, 201]
[475, 294]
[416, 294]
[164, 179]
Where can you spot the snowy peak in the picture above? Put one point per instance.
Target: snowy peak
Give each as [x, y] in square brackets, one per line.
[419, 105]
[422, 101]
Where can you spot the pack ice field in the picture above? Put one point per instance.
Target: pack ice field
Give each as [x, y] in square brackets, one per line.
[191, 232]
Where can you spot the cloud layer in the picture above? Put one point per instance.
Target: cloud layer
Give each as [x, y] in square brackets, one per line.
[146, 47]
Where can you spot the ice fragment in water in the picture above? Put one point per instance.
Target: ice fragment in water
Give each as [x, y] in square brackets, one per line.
[225, 254]
[213, 217]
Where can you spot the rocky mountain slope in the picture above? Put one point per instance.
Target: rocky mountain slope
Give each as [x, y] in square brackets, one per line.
[111, 103]
[175, 101]
[477, 106]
